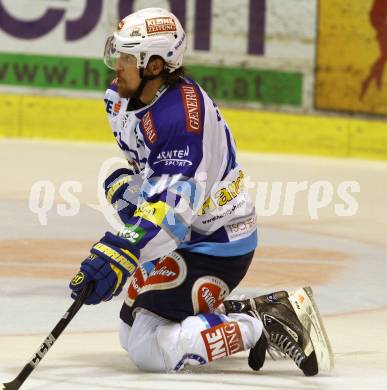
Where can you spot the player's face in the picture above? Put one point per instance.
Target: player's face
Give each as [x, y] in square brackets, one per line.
[128, 75]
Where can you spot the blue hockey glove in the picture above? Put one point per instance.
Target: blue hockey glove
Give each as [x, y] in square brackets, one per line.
[121, 190]
[111, 262]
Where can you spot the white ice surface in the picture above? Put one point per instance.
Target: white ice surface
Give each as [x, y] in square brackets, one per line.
[87, 356]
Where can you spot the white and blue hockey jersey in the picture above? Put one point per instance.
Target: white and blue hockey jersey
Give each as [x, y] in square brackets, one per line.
[193, 194]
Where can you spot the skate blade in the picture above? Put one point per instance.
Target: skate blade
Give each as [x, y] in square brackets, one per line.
[307, 312]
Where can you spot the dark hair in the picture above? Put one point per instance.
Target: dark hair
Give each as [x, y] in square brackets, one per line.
[171, 79]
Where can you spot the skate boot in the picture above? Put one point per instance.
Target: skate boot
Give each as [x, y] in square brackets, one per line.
[292, 327]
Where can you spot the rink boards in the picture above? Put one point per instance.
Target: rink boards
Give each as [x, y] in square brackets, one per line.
[53, 117]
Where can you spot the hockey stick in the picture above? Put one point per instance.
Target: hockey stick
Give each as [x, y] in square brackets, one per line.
[49, 341]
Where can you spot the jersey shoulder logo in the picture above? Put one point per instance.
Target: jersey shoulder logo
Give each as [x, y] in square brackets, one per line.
[192, 108]
[149, 128]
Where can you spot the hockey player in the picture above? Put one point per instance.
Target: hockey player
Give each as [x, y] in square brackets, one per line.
[189, 228]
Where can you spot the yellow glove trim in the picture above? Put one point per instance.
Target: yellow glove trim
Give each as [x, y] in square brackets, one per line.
[119, 275]
[130, 254]
[116, 186]
[130, 266]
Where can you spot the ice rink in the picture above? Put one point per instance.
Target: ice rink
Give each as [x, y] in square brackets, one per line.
[344, 259]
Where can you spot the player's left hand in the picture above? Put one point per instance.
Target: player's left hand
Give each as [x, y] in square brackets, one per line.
[109, 264]
[108, 280]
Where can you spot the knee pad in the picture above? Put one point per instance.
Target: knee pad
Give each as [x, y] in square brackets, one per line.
[206, 337]
[142, 345]
[159, 345]
[181, 343]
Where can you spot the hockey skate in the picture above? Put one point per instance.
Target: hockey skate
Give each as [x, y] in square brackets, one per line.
[292, 326]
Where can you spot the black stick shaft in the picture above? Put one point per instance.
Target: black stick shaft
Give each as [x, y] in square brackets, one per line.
[49, 341]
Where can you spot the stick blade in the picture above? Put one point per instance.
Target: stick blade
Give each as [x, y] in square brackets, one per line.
[14, 385]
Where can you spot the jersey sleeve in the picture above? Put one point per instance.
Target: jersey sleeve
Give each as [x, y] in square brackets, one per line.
[114, 104]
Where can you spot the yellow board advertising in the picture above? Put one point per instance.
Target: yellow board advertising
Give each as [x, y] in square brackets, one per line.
[352, 56]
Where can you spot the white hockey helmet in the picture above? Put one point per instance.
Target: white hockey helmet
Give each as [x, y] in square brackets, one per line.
[145, 33]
